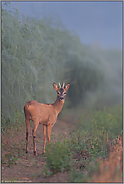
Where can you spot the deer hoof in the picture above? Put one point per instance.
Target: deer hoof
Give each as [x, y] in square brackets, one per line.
[35, 153]
[43, 153]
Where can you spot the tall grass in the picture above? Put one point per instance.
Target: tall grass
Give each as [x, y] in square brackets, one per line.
[90, 141]
[108, 119]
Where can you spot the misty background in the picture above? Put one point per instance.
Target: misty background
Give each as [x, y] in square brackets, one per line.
[46, 42]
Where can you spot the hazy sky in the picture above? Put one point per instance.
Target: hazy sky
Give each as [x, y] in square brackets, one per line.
[96, 23]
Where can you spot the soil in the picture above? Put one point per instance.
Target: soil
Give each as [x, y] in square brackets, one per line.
[29, 167]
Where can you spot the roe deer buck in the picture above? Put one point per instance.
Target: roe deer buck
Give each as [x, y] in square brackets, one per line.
[45, 114]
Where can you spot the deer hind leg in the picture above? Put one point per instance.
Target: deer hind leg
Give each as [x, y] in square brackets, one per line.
[27, 133]
[44, 132]
[36, 123]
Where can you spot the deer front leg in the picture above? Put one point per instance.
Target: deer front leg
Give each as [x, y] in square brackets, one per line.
[44, 132]
[49, 132]
[36, 123]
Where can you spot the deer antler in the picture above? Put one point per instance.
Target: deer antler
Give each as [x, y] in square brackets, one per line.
[59, 85]
[63, 85]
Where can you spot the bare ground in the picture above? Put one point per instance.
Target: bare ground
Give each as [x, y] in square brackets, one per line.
[29, 168]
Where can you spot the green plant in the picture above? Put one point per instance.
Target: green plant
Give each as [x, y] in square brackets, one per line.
[11, 159]
[58, 157]
[15, 152]
[107, 120]
[77, 177]
[94, 130]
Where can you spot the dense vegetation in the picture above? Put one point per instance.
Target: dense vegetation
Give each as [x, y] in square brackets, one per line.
[91, 140]
[37, 52]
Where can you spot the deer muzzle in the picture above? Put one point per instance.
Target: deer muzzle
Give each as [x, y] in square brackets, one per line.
[61, 97]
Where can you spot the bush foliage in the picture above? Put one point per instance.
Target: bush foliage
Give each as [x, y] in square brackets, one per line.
[85, 145]
[37, 52]
[58, 157]
[107, 120]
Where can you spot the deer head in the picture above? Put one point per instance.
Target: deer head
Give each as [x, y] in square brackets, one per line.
[61, 91]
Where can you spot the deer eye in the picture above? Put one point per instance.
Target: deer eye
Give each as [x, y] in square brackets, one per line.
[58, 93]
[65, 93]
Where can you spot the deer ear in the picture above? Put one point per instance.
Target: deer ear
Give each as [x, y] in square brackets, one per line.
[55, 86]
[67, 87]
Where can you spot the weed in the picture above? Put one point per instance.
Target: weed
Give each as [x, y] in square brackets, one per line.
[107, 120]
[11, 159]
[77, 177]
[58, 157]
[14, 152]
[33, 175]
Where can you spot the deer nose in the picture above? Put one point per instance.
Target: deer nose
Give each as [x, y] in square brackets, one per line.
[61, 97]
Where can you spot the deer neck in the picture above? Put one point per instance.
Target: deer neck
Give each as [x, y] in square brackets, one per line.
[58, 105]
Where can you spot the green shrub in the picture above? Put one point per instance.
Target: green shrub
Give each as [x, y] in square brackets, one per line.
[77, 177]
[58, 157]
[107, 120]
[94, 129]
[94, 142]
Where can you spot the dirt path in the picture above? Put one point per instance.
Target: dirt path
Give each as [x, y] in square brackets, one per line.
[17, 167]
[29, 168]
